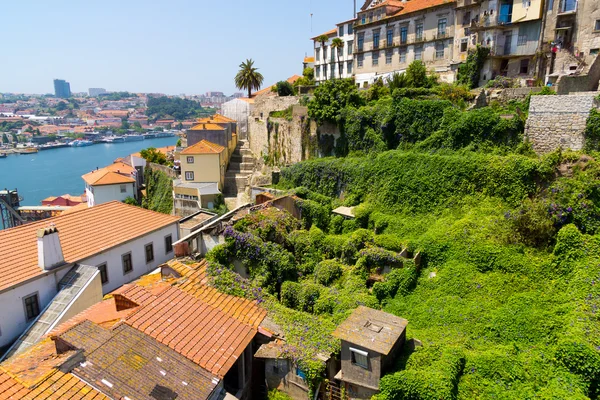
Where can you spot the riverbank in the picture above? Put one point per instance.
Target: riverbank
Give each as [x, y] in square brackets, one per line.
[58, 171]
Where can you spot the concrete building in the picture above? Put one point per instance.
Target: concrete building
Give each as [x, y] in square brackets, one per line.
[572, 39]
[121, 242]
[95, 92]
[62, 89]
[331, 63]
[391, 34]
[371, 341]
[118, 181]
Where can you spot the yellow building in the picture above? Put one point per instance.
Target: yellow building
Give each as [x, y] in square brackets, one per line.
[204, 162]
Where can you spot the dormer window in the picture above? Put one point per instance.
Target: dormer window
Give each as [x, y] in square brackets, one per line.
[359, 358]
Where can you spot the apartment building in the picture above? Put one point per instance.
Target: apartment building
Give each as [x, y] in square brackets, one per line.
[391, 34]
[331, 62]
[571, 36]
[510, 28]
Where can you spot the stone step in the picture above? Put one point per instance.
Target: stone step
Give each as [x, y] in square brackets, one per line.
[241, 159]
[236, 174]
[245, 167]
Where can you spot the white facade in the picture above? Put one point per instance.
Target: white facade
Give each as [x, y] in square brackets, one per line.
[105, 193]
[13, 320]
[329, 62]
[239, 110]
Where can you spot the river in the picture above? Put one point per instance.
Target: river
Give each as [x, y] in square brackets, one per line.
[58, 171]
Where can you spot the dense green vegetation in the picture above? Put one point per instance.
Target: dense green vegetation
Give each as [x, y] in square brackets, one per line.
[159, 191]
[505, 299]
[176, 108]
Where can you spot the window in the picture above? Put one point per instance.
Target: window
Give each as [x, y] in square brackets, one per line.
[375, 56]
[522, 40]
[123, 188]
[507, 44]
[318, 71]
[389, 53]
[526, 3]
[464, 44]
[318, 54]
[442, 27]
[332, 70]
[402, 56]
[390, 36]
[103, 273]
[190, 159]
[467, 18]
[32, 306]
[371, 16]
[418, 52]
[403, 35]
[524, 66]
[341, 31]
[363, 19]
[439, 50]
[350, 47]
[340, 50]
[349, 67]
[594, 52]
[359, 60]
[359, 357]
[189, 175]
[419, 31]
[350, 29]
[376, 39]
[149, 250]
[597, 25]
[127, 265]
[361, 41]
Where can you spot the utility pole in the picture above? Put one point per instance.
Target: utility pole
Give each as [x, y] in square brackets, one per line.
[354, 8]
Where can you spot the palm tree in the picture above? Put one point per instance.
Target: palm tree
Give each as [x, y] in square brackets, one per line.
[338, 45]
[323, 39]
[248, 77]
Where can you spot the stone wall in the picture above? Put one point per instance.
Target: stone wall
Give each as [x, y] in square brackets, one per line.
[163, 168]
[517, 93]
[558, 121]
[580, 83]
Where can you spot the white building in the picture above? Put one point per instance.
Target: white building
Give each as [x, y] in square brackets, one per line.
[118, 181]
[123, 242]
[331, 62]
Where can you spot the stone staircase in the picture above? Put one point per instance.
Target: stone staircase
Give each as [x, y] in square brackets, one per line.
[241, 167]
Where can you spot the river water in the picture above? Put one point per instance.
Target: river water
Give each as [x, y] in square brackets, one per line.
[58, 171]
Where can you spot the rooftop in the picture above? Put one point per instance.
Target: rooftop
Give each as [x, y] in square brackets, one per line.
[372, 329]
[266, 90]
[217, 118]
[208, 125]
[332, 32]
[82, 234]
[204, 147]
[107, 176]
[405, 7]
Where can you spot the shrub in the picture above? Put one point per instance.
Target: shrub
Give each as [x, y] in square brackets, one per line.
[290, 294]
[398, 281]
[416, 120]
[284, 88]
[328, 271]
[592, 131]
[457, 94]
[569, 243]
[532, 223]
[416, 75]
[277, 395]
[502, 82]
[412, 92]
[583, 360]
[469, 73]
[331, 97]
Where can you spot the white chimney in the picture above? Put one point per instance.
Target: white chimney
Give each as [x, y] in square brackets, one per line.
[50, 253]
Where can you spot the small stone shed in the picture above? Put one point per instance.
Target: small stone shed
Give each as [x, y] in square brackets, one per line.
[371, 341]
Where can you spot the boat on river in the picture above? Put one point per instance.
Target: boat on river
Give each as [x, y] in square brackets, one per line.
[81, 143]
[26, 150]
[2, 155]
[133, 138]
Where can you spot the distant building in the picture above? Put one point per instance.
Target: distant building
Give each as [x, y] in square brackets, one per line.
[62, 89]
[95, 92]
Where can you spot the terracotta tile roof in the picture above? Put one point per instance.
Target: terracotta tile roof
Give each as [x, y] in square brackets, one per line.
[78, 207]
[309, 59]
[164, 150]
[328, 33]
[204, 147]
[125, 363]
[207, 126]
[105, 176]
[36, 375]
[120, 167]
[407, 7]
[267, 90]
[82, 234]
[200, 332]
[217, 118]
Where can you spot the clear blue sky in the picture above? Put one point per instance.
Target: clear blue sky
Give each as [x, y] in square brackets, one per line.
[167, 46]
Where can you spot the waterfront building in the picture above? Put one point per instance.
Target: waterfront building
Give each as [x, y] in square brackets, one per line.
[119, 241]
[95, 92]
[391, 34]
[117, 181]
[62, 89]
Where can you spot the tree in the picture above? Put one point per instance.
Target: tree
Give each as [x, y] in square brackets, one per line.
[61, 106]
[323, 39]
[154, 156]
[331, 97]
[124, 124]
[284, 88]
[131, 201]
[248, 78]
[180, 126]
[4, 138]
[397, 81]
[138, 127]
[416, 75]
[338, 45]
[308, 78]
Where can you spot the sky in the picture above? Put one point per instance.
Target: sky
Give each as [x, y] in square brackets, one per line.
[157, 46]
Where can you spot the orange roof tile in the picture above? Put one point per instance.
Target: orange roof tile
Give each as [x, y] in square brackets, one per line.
[204, 147]
[82, 234]
[105, 176]
[208, 126]
[291, 79]
[217, 118]
[78, 207]
[120, 167]
[328, 33]
[164, 150]
[309, 59]
[57, 386]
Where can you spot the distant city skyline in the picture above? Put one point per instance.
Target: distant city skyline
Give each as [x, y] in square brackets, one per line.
[173, 47]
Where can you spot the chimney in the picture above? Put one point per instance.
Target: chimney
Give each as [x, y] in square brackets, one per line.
[50, 253]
